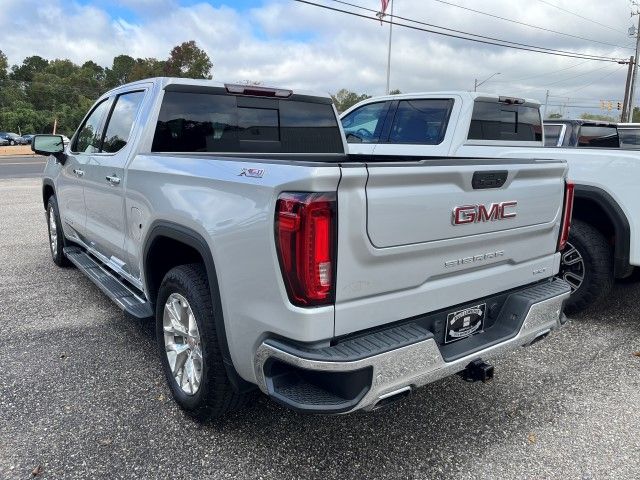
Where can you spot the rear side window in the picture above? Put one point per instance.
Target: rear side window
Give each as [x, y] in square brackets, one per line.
[629, 138]
[422, 122]
[121, 120]
[598, 136]
[204, 122]
[499, 121]
[552, 135]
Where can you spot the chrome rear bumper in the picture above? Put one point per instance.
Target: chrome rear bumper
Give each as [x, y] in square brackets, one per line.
[412, 365]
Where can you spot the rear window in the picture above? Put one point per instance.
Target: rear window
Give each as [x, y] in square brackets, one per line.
[552, 135]
[499, 121]
[598, 136]
[422, 122]
[629, 138]
[204, 122]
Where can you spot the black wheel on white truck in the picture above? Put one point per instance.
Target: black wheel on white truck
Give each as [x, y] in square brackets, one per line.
[587, 266]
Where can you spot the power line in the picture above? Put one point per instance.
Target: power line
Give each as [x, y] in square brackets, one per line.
[492, 39]
[551, 72]
[582, 17]
[529, 25]
[576, 76]
[480, 39]
[591, 83]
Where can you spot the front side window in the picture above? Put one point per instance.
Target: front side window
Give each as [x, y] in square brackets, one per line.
[121, 120]
[90, 134]
[493, 120]
[364, 124]
[422, 122]
[598, 136]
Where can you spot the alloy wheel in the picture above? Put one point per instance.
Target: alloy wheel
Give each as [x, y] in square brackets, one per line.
[572, 268]
[182, 343]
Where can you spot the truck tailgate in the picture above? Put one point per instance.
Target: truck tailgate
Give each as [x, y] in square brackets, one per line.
[417, 237]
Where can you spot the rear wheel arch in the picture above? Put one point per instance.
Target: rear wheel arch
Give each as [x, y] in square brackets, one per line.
[596, 207]
[186, 246]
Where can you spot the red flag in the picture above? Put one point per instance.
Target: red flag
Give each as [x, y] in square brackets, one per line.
[383, 8]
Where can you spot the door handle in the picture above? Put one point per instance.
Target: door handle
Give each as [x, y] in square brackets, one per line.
[113, 179]
[78, 172]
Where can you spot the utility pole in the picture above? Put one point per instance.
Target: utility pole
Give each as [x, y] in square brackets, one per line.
[476, 84]
[546, 102]
[632, 90]
[389, 51]
[625, 103]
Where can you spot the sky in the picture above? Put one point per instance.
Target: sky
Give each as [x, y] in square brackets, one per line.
[288, 44]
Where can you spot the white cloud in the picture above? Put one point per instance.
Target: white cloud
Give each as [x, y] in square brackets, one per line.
[290, 44]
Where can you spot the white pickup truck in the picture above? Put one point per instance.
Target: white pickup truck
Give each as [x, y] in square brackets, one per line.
[604, 238]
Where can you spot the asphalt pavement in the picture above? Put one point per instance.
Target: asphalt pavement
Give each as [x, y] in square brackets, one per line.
[21, 166]
[82, 395]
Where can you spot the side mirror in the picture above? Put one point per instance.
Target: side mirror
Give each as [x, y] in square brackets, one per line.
[49, 145]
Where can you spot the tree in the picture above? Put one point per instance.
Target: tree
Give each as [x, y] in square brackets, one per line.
[635, 117]
[593, 116]
[344, 99]
[146, 68]
[395, 92]
[554, 116]
[30, 66]
[120, 71]
[188, 60]
[38, 91]
[4, 65]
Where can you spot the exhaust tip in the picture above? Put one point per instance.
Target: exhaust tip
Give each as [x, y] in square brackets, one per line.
[541, 336]
[392, 397]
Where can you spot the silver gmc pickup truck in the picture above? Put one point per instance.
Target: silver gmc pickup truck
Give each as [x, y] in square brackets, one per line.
[269, 257]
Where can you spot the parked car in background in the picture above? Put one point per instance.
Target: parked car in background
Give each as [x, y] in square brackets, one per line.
[232, 215]
[604, 242]
[13, 138]
[629, 134]
[3, 142]
[28, 138]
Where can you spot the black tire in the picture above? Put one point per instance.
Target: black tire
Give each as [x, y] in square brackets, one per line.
[215, 395]
[56, 246]
[597, 258]
[12, 143]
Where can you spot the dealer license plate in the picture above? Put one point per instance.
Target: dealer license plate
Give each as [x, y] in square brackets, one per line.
[464, 323]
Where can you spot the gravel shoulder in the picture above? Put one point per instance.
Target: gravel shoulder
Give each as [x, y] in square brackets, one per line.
[83, 396]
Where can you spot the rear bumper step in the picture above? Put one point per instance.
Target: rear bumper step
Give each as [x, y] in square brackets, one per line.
[114, 288]
[361, 372]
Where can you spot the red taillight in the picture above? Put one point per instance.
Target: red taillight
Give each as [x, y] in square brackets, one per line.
[566, 215]
[305, 239]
